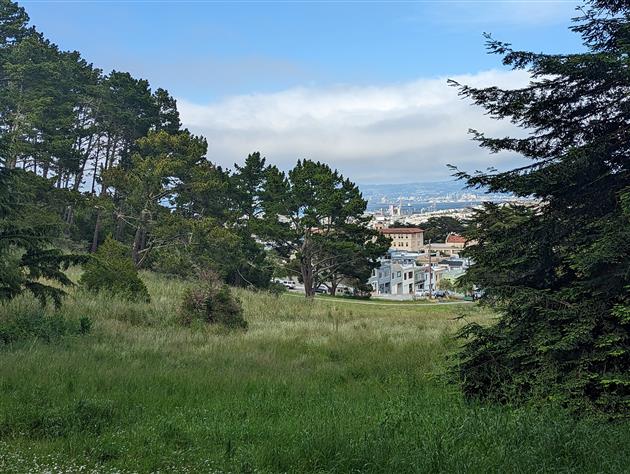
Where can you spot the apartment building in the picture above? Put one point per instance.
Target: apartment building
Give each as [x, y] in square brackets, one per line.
[393, 278]
[406, 273]
[405, 238]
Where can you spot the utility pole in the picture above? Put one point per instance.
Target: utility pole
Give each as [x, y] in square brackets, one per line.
[430, 272]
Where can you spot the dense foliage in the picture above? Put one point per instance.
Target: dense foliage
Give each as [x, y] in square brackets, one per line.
[26, 234]
[558, 272]
[437, 228]
[111, 269]
[316, 215]
[35, 323]
[113, 159]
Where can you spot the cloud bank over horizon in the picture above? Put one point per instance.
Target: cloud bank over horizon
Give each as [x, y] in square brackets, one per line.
[394, 133]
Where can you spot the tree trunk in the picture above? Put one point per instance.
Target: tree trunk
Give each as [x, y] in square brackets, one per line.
[97, 230]
[120, 225]
[86, 156]
[135, 252]
[108, 151]
[96, 160]
[12, 158]
[334, 283]
[307, 277]
[69, 219]
[140, 236]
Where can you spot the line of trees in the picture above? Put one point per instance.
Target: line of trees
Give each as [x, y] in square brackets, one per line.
[85, 155]
[105, 155]
[61, 117]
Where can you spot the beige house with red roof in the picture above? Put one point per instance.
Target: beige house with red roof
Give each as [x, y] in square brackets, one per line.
[405, 238]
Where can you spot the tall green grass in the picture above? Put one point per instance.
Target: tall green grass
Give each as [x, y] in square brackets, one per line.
[312, 386]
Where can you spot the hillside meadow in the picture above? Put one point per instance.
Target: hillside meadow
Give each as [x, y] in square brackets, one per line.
[312, 386]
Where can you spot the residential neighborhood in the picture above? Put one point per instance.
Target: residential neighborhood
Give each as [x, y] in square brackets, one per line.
[417, 272]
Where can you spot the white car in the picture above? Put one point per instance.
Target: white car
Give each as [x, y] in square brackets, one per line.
[288, 284]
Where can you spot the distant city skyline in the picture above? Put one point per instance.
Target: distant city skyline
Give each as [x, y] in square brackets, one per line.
[361, 86]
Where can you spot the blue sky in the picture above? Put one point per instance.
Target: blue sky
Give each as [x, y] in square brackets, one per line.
[317, 79]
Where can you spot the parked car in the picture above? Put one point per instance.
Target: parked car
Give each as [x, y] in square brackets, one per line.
[440, 294]
[288, 284]
[322, 290]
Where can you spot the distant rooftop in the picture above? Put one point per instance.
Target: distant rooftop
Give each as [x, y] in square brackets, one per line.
[402, 230]
[455, 239]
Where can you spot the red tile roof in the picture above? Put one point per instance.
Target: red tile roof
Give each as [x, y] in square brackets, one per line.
[455, 239]
[402, 230]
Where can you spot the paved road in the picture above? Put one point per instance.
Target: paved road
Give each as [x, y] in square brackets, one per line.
[374, 303]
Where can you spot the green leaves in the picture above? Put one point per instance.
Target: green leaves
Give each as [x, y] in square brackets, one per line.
[26, 231]
[557, 271]
[437, 228]
[316, 215]
[112, 270]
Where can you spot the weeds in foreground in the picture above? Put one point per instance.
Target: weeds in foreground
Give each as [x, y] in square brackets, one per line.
[312, 386]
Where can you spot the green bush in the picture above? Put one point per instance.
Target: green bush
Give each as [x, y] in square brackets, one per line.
[34, 323]
[111, 269]
[276, 289]
[212, 302]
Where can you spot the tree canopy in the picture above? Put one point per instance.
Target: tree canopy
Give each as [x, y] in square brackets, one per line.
[90, 155]
[26, 232]
[558, 272]
[316, 215]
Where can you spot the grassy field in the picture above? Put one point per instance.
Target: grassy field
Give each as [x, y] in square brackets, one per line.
[310, 387]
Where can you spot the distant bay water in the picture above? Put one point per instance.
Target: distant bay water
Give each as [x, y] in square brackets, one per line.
[420, 207]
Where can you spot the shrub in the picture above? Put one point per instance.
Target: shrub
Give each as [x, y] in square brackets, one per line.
[276, 289]
[212, 302]
[111, 269]
[34, 323]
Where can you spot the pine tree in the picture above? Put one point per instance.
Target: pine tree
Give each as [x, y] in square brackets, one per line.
[558, 273]
[26, 231]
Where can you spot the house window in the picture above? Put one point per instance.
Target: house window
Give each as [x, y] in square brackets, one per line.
[399, 274]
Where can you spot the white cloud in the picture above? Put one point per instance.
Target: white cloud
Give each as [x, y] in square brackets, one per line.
[393, 133]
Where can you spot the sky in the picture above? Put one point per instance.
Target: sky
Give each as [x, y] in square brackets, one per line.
[359, 85]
